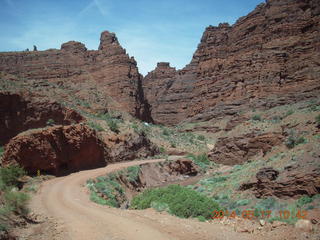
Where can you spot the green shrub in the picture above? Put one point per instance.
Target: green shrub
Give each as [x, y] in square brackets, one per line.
[182, 201]
[289, 112]
[1, 150]
[318, 120]
[162, 150]
[166, 132]
[216, 179]
[303, 201]
[159, 206]
[9, 176]
[172, 144]
[293, 140]
[132, 173]
[113, 126]
[256, 117]
[201, 218]
[242, 202]
[3, 227]
[95, 126]
[106, 190]
[201, 160]
[314, 108]
[292, 219]
[95, 198]
[50, 122]
[266, 204]
[201, 138]
[5, 217]
[17, 202]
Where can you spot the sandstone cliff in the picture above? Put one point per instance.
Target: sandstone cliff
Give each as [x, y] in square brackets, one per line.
[109, 67]
[267, 58]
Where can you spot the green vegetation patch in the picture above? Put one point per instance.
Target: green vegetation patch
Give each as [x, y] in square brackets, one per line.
[256, 117]
[171, 137]
[288, 113]
[180, 201]
[111, 121]
[9, 176]
[95, 126]
[107, 190]
[12, 201]
[294, 140]
[318, 120]
[1, 151]
[130, 173]
[201, 160]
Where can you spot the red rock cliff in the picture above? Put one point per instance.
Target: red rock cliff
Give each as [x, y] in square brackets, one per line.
[110, 67]
[267, 58]
[20, 112]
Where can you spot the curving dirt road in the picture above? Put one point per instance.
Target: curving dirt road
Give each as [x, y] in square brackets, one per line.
[66, 200]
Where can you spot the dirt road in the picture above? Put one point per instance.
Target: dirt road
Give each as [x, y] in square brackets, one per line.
[66, 200]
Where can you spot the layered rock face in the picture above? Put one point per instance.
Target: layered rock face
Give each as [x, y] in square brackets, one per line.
[20, 112]
[237, 150]
[109, 67]
[59, 150]
[56, 150]
[293, 183]
[267, 58]
[298, 178]
[129, 146]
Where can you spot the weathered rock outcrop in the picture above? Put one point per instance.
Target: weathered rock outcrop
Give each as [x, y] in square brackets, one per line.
[60, 149]
[125, 147]
[20, 112]
[56, 150]
[110, 67]
[267, 58]
[160, 174]
[182, 166]
[237, 150]
[292, 182]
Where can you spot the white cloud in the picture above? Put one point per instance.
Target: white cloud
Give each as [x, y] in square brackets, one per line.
[94, 5]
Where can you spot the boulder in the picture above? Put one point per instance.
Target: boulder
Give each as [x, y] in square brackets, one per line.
[56, 150]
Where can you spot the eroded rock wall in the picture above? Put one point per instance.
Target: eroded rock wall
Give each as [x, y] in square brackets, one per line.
[110, 68]
[267, 58]
[20, 112]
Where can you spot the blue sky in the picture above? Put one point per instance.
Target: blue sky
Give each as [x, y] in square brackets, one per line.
[151, 31]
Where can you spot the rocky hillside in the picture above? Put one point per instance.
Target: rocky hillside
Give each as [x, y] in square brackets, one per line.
[261, 61]
[109, 67]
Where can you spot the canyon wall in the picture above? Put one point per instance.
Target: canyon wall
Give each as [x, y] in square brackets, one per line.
[109, 67]
[267, 58]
